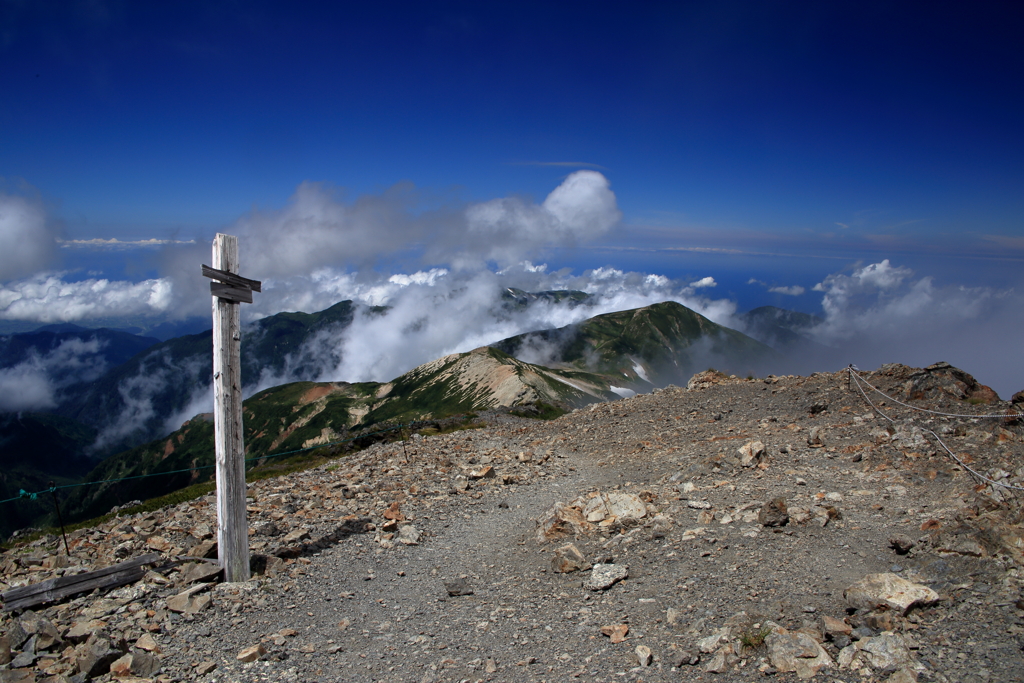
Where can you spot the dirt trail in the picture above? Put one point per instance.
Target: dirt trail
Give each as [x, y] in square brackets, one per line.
[703, 559]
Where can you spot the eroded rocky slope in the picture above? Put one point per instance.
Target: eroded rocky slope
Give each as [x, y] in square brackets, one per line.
[730, 531]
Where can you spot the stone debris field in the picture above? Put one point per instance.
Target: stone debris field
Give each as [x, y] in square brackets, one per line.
[774, 529]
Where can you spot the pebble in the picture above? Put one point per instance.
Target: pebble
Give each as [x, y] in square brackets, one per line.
[251, 653]
[604, 576]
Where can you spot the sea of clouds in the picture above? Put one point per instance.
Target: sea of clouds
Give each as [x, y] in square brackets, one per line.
[441, 274]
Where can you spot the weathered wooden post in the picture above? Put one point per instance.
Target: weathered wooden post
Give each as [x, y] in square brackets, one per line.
[231, 290]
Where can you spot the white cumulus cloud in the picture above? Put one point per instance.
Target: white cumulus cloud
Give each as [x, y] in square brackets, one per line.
[49, 298]
[27, 239]
[315, 251]
[506, 230]
[880, 313]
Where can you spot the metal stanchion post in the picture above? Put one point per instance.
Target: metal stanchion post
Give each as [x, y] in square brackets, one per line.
[60, 518]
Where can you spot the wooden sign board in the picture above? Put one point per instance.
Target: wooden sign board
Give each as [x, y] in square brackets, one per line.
[242, 295]
[231, 286]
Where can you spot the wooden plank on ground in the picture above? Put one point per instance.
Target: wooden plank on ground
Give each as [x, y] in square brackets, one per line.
[54, 590]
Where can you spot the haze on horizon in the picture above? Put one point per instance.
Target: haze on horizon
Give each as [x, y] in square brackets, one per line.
[861, 163]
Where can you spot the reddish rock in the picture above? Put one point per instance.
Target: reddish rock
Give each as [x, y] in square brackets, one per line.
[158, 543]
[394, 513]
[251, 654]
[485, 472]
[943, 378]
[562, 520]
[617, 632]
[136, 665]
[147, 643]
[568, 559]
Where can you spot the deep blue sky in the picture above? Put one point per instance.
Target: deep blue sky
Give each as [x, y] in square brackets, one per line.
[853, 131]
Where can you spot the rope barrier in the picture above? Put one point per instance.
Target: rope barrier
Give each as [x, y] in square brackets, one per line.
[946, 448]
[926, 410]
[53, 489]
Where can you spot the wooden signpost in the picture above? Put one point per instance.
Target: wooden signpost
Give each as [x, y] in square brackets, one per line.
[229, 289]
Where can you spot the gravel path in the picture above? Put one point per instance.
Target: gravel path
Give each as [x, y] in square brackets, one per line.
[702, 558]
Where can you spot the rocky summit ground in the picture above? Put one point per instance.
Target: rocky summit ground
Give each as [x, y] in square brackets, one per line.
[734, 530]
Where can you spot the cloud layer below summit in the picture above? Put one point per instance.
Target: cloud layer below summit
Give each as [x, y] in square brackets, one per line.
[442, 271]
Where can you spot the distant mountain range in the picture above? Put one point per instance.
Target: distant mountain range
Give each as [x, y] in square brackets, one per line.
[133, 402]
[517, 298]
[161, 330]
[601, 358]
[92, 350]
[781, 329]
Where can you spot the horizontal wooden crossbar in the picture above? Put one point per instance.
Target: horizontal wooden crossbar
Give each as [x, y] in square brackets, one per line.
[232, 279]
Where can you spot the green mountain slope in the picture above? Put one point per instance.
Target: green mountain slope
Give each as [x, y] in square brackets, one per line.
[134, 401]
[36, 449]
[659, 344]
[308, 414]
[481, 379]
[595, 361]
[514, 298]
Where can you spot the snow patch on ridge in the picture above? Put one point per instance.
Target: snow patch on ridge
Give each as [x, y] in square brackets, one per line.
[639, 369]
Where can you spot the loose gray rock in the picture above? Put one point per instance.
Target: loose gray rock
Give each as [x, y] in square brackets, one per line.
[409, 535]
[604, 576]
[199, 571]
[267, 529]
[774, 513]
[681, 658]
[751, 453]
[458, 587]
[901, 544]
[888, 591]
[23, 660]
[96, 656]
[568, 559]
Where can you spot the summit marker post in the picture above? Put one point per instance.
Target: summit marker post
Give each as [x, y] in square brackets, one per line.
[229, 290]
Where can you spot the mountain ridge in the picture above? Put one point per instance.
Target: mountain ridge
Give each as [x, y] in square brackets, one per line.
[281, 418]
[671, 340]
[602, 358]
